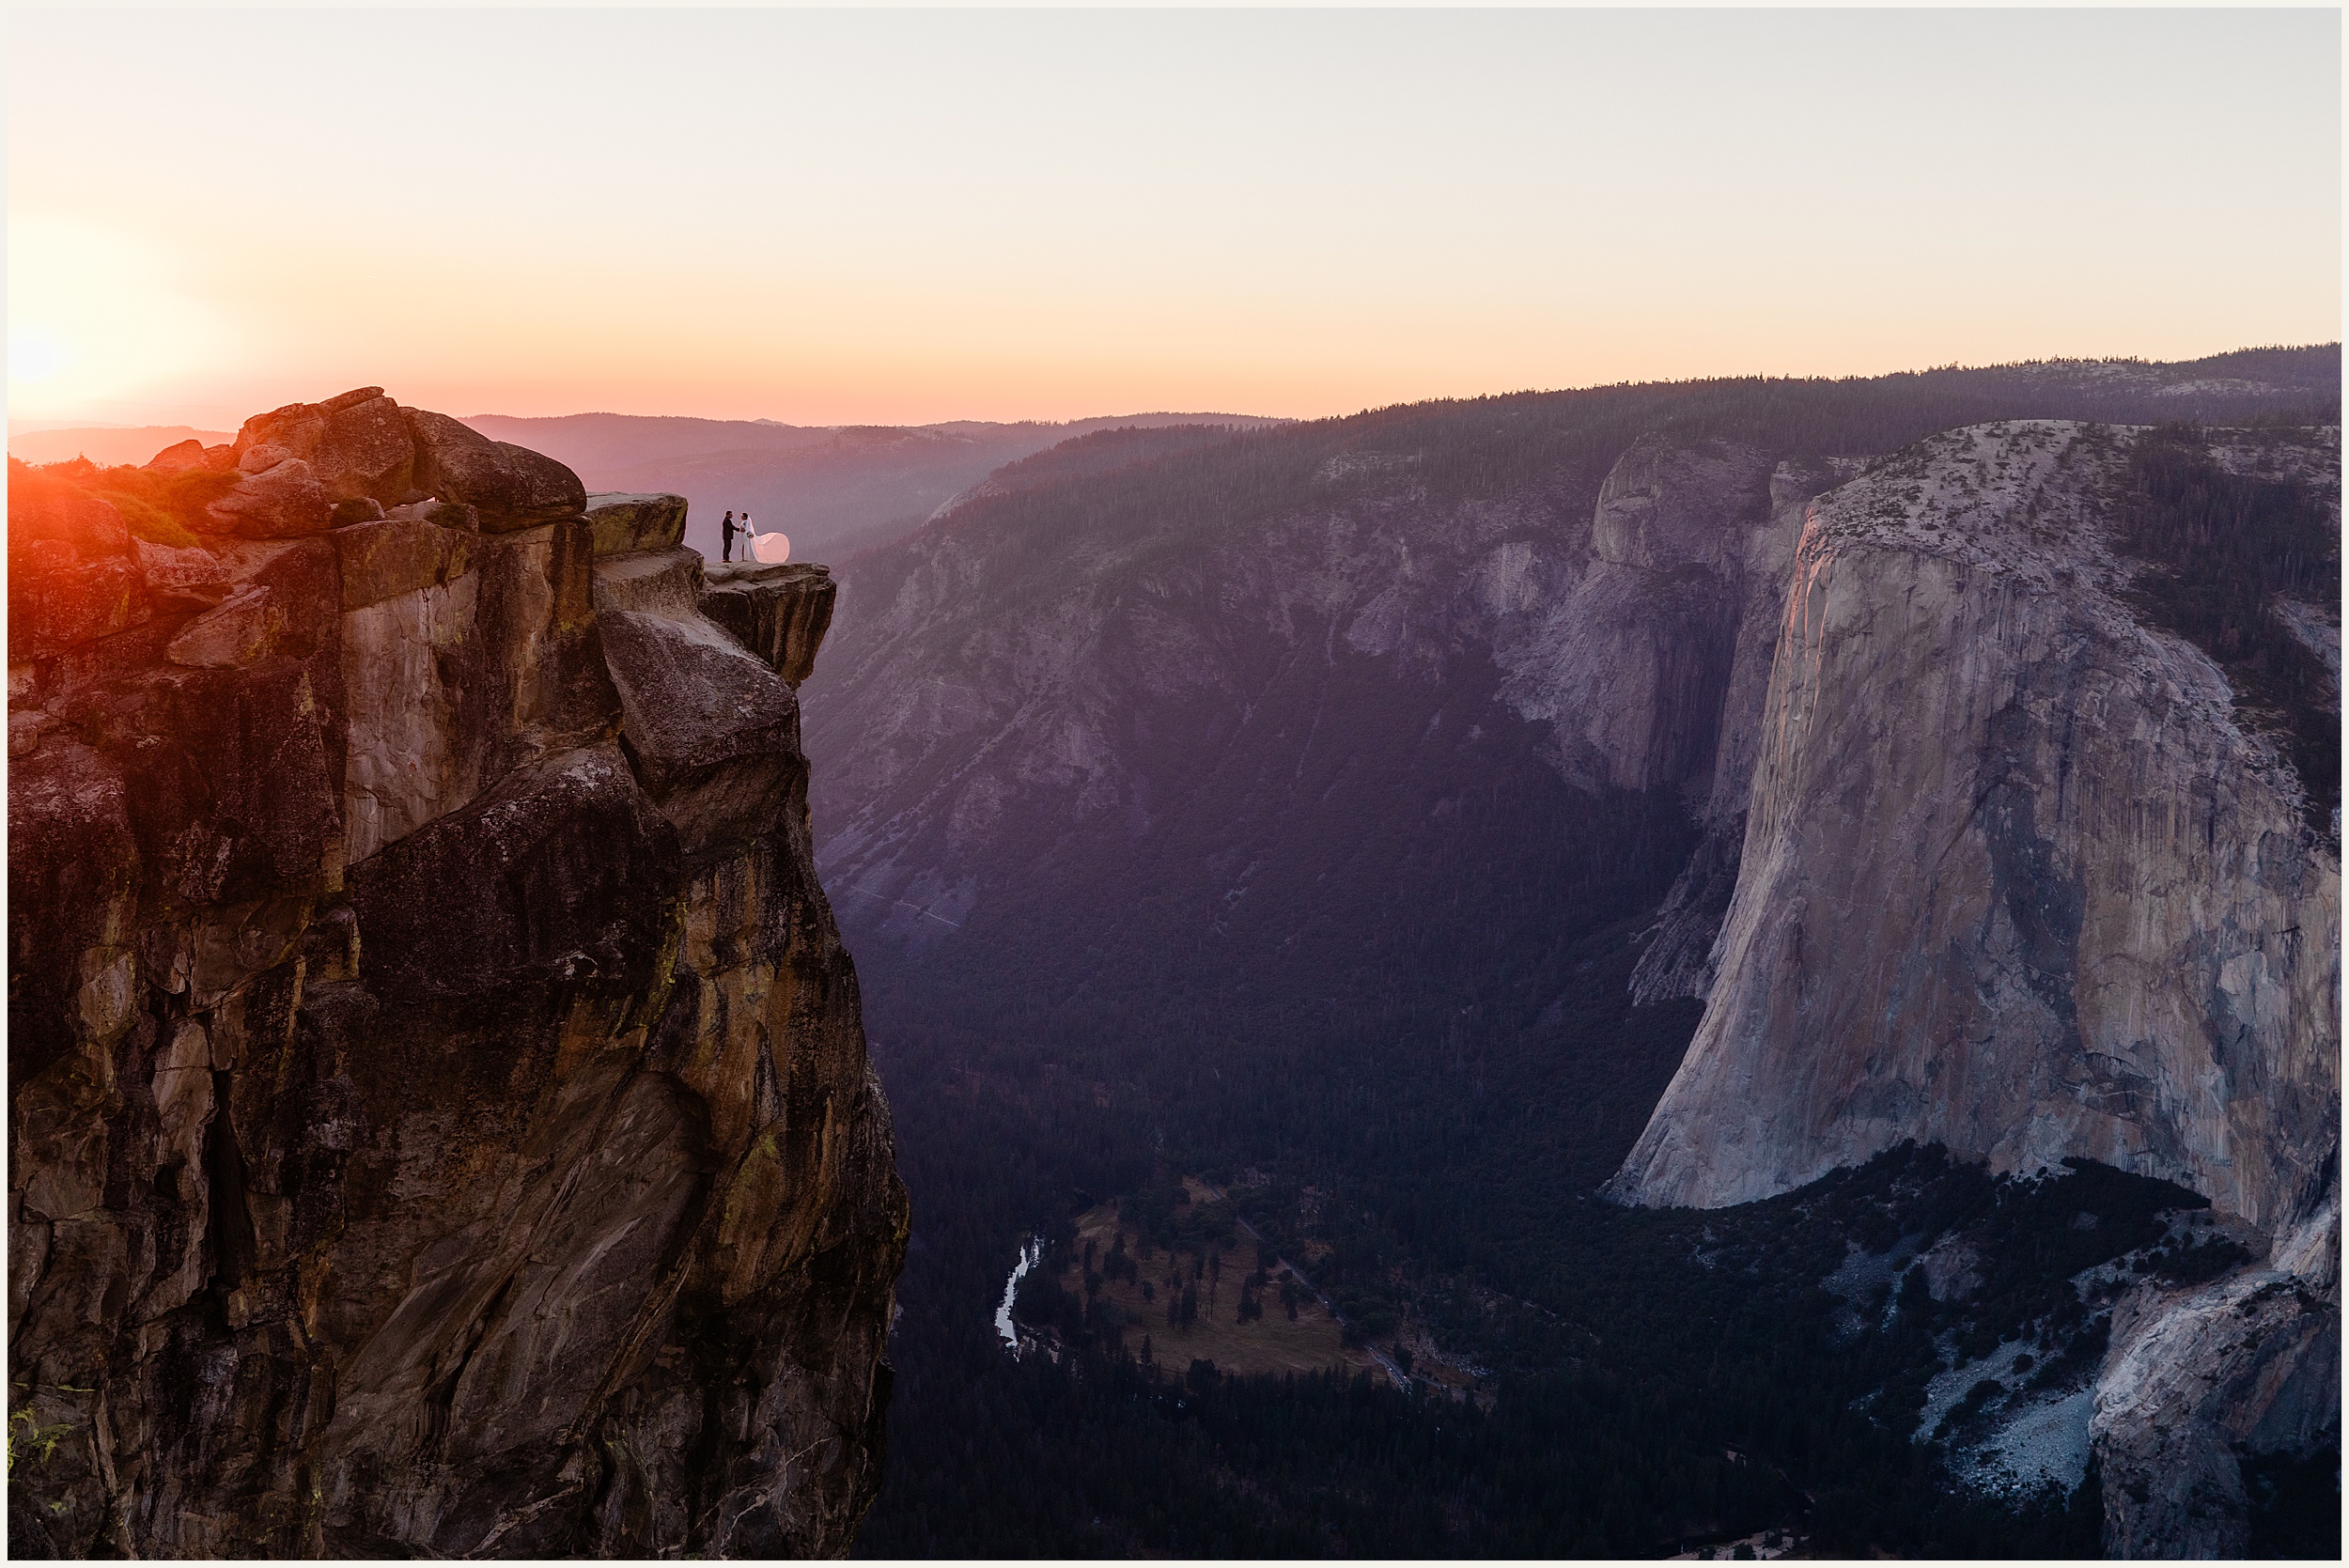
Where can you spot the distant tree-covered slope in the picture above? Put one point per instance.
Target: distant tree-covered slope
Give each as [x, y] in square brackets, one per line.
[833, 489]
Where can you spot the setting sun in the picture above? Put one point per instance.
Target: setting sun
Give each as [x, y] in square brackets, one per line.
[95, 317]
[823, 216]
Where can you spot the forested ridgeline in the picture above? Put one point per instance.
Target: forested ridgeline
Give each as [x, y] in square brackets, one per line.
[1169, 485]
[2219, 547]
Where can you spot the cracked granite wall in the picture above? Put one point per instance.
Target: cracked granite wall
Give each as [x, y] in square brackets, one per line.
[441, 1117]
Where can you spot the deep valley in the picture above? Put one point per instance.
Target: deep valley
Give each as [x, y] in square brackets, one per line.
[1396, 809]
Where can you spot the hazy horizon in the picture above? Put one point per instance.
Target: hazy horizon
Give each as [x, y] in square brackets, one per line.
[887, 217]
[36, 426]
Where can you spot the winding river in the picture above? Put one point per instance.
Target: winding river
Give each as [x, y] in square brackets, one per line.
[1031, 1252]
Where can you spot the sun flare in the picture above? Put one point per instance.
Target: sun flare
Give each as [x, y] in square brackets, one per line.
[95, 315]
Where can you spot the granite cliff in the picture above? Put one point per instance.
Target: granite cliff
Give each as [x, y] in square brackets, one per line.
[440, 1116]
[2029, 874]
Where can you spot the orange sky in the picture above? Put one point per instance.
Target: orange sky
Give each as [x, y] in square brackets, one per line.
[897, 217]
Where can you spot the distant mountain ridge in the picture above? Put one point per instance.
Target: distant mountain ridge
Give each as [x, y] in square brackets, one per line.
[106, 446]
[833, 488]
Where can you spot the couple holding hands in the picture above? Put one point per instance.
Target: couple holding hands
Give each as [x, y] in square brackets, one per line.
[770, 549]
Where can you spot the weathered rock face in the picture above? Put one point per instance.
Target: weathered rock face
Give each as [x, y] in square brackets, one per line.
[440, 1116]
[2020, 877]
[626, 523]
[2195, 1380]
[509, 487]
[779, 612]
[2091, 922]
[1629, 664]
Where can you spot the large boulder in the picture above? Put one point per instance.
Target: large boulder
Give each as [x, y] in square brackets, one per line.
[509, 487]
[189, 578]
[283, 501]
[357, 444]
[622, 523]
[185, 457]
[714, 735]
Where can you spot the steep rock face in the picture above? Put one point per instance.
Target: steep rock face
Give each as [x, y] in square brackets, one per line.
[969, 725]
[2068, 904]
[438, 1128]
[2020, 877]
[2195, 1380]
[1652, 667]
[1629, 664]
[779, 612]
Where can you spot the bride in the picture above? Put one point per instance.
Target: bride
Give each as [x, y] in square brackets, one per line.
[767, 550]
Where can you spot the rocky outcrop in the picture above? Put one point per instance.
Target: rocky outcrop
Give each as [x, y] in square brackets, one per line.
[2197, 1379]
[509, 487]
[359, 443]
[2022, 876]
[779, 612]
[623, 524]
[711, 728]
[184, 457]
[441, 1121]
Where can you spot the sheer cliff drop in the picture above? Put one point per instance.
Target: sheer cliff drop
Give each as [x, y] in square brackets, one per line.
[442, 1121]
[2029, 875]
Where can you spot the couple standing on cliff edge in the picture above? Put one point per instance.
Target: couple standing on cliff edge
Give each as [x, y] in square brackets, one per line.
[767, 550]
[727, 528]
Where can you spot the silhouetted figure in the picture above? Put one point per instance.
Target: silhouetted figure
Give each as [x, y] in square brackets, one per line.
[726, 538]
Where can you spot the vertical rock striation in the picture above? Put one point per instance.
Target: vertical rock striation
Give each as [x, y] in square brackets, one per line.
[440, 1116]
[2023, 874]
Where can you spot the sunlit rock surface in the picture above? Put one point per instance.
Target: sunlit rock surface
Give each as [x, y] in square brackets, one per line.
[441, 1123]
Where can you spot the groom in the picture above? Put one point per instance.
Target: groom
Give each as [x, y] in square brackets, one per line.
[725, 538]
